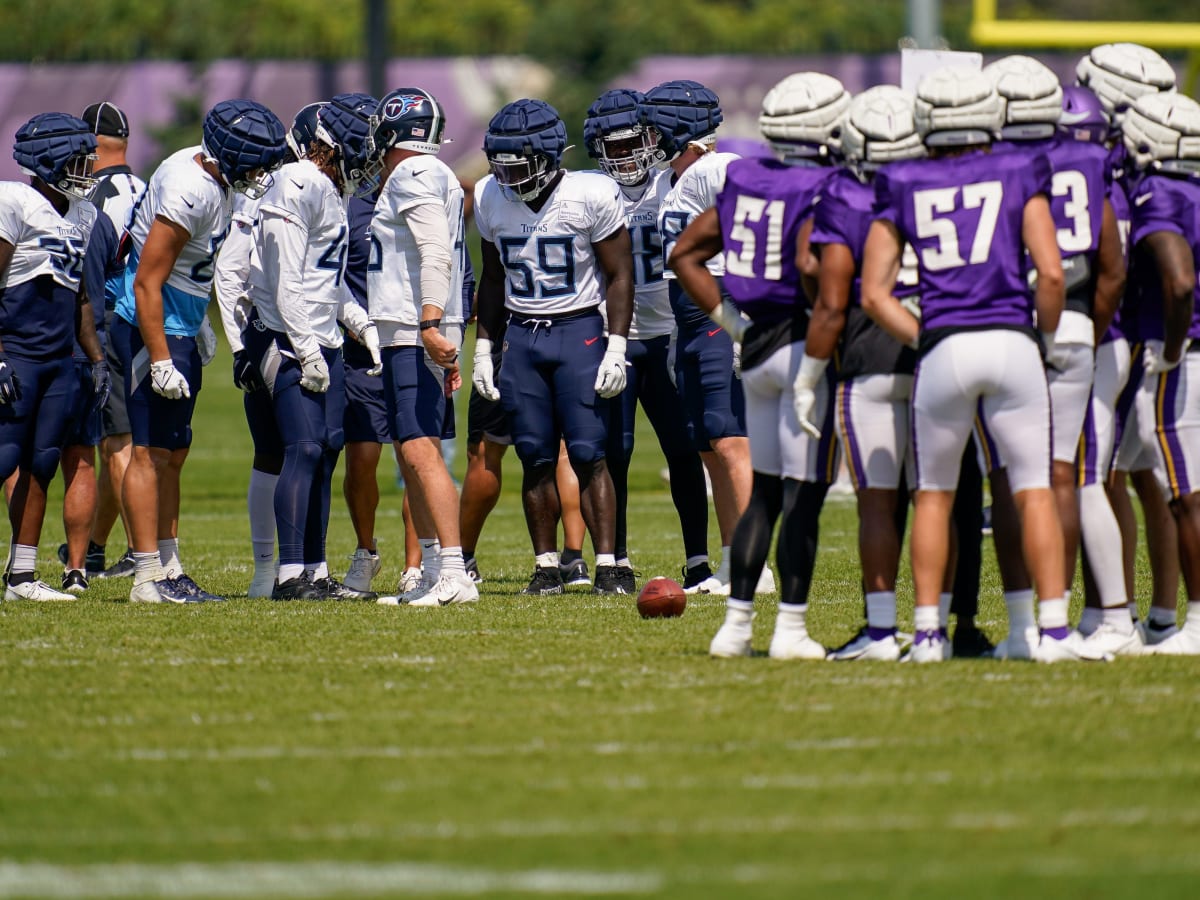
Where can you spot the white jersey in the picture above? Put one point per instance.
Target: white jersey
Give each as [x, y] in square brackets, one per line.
[548, 255]
[394, 278]
[116, 194]
[652, 316]
[692, 193]
[298, 286]
[231, 280]
[44, 242]
[181, 191]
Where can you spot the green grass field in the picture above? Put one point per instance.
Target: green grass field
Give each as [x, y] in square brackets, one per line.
[559, 747]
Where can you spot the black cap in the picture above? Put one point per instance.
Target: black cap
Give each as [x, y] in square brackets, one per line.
[106, 118]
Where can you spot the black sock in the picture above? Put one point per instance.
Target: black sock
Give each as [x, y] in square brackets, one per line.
[569, 556]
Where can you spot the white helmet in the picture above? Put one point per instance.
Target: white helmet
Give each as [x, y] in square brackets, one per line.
[880, 128]
[802, 116]
[956, 108]
[1032, 97]
[1120, 73]
[1162, 131]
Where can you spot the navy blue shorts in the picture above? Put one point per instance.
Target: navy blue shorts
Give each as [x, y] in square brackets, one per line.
[304, 415]
[33, 429]
[154, 420]
[548, 388]
[85, 428]
[260, 405]
[413, 387]
[366, 409]
[486, 419]
[650, 383]
[713, 403]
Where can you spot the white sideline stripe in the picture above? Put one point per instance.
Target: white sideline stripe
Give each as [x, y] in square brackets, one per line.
[305, 879]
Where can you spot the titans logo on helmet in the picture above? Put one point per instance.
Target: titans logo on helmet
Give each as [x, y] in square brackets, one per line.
[398, 106]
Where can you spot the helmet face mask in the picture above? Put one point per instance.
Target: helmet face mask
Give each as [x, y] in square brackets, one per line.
[59, 150]
[627, 154]
[521, 177]
[524, 145]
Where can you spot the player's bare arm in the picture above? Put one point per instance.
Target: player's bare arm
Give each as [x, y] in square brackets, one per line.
[614, 255]
[164, 243]
[490, 309]
[1177, 272]
[1039, 235]
[1110, 280]
[881, 266]
[6, 255]
[806, 260]
[837, 270]
[85, 327]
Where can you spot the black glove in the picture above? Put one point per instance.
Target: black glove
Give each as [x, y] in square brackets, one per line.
[101, 384]
[10, 384]
[246, 374]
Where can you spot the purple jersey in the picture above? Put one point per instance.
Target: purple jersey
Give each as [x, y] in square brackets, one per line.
[843, 216]
[963, 217]
[761, 208]
[1160, 203]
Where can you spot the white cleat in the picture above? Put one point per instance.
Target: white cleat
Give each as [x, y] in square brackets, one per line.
[1019, 645]
[731, 641]
[411, 581]
[794, 643]
[1153, 635]
[446, 590]
[146, 592]
[261, 586]
[929, 647]
[364, 566]
[1111, 640]
[1185, 642]
[35, 590]
[862, 647]
[716, 584]
[766, 582]
[1072, 648]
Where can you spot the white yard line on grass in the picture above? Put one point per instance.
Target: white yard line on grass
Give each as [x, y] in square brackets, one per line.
[304, 879]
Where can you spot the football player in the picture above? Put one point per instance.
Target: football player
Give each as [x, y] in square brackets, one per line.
[416, 292]
[1162, 136]
[176, 231]
[624, 149]
[293, 336]
[760, 223]
[554, 247]
[970, 218]
[1094, 268]
[684, 116]
[874, 370]
[1118, 74]
[44, 230]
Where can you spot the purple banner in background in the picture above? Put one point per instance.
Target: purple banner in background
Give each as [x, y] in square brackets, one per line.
[470, 89]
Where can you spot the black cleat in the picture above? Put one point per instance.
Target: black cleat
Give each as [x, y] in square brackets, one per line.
[695, 575]
[74, 581]
[335, 590]
[93, 563]
[298, 588]
[609, 581]
[627, 580]
[546, 580]
[970, 643]
[575, 572]
[122, 568]
[472, 567]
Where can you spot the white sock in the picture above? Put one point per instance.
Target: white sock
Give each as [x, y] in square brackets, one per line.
[1118, 617]
[168, 556]
[260, 504]
[1052, 613]
[623, 563]
[1133, 609]
[1192, 622]
[693, 561]
[24, 559]
[431, 563]
[944, 599]
[925, 618]
[1102, 541]
[548, 560]
[1020, 609]
[792, 616]
[739, 612]
[605, 559]
[147, 567]
[317, 572]
[881, 609]
[289, 571]
[452, 562]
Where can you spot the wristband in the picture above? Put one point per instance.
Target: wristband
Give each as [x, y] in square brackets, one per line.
[430, 323]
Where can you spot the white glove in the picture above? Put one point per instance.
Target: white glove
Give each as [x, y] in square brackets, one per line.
[314, 373]
[370, 338]
[737, 360]
[804, 392]
[610, 379]
[1056, 354]
[1155, 363]
[483, 374]
[728, 317]
[206, 341]
[168, 381]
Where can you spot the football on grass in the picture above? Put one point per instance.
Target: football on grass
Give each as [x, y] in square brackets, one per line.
[661, 598]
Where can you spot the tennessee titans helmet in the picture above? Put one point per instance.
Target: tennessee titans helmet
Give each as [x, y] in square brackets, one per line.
[246, 140]
[303, 130]
[1083, 117]
[60, 150]
[682, 112]
[344, 123]
[615, 138]
[524, 145]
[409, 118]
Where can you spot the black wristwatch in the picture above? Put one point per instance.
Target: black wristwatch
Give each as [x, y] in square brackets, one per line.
[430, 323]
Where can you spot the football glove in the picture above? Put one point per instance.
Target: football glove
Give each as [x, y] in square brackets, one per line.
[10, 384]
[101, 384]
[483, 374]
[730, 318]
[804, 393]
[246, 374]
[206, 342]
[314, 373]
[167, 381]
[1154, 363]
[370, 339]
[610, 378]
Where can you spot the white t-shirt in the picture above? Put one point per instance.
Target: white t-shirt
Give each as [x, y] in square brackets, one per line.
[548, 255]
[694, 192]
